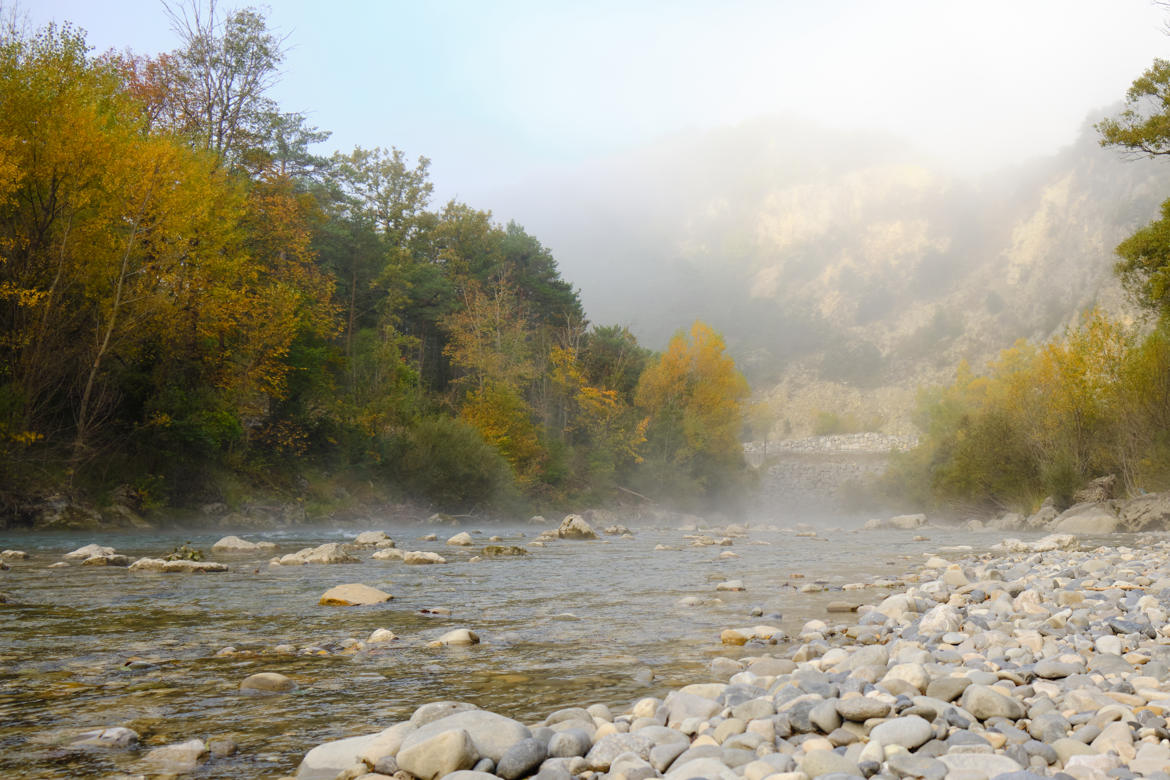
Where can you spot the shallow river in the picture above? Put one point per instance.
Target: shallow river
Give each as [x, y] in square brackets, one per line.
[573, 623]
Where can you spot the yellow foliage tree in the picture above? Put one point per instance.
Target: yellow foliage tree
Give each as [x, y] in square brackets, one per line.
[693, 398]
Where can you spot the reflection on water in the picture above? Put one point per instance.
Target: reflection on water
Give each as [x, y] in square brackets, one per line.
[571, 624]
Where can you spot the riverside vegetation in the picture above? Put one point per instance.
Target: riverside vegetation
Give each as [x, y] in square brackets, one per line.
[1042, 420]
[195, 308]
[982, 658]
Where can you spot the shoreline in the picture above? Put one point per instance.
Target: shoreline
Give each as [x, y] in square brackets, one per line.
[1037, 659]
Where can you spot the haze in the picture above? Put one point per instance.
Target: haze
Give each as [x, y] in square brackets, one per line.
[649, 145]
[495, 93]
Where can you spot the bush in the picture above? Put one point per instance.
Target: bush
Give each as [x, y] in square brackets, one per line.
[446, 461]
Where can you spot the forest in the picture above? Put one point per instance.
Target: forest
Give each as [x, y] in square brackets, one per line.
[195, 306]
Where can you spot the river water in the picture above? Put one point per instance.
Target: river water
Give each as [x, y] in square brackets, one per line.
[571, 624]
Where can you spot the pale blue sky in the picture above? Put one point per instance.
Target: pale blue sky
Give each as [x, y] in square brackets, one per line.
[497, 93]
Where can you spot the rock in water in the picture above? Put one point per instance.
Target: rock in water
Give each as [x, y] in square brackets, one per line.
[422, 558]
[575, 527]
[88, 551]
[460, 636]
[267, 682]
[373, 539]
[352, 595]
[907, 522]
[179, 759]
[461, 539]
[234, 544]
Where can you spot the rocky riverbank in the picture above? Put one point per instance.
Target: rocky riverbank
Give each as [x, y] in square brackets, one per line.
[1042, 659]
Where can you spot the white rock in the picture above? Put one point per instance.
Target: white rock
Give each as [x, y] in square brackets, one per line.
[373, 539]
[423, 558]
[380, 636]
[458, 636]
[353, 594]
[461, 539]
[88, 551]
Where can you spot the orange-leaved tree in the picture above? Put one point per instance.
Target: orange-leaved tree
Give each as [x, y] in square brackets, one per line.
[693, 399]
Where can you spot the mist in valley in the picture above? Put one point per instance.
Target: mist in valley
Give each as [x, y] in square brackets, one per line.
[845, 269]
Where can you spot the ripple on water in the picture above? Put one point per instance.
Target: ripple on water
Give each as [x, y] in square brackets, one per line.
[572, 623]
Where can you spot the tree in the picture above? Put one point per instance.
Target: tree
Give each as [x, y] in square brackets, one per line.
[693, 398]
[1143, 129]
[214, 87]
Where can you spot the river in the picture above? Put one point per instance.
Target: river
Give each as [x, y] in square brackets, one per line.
[573, 623]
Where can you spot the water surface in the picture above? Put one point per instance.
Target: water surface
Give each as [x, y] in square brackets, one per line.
[571, 624]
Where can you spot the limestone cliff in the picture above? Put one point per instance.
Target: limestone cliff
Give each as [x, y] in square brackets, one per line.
[844, 271]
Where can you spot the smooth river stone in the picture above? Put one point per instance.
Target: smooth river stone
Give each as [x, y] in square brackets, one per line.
[329, 759]
[986, 764]
[179, 759]
[610, 747]
[826, 762]
[947, 688]
[491, 734]
[521, 759]
[909, 732]
[267, 682]
[709, 768]
[438, 754]
[983, 702]
[456, 637]
[353, 595]
[1055, 670]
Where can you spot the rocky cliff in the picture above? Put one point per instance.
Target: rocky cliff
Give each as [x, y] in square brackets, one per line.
[844, 271]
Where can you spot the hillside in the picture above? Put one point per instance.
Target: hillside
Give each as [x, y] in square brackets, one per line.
[843, 270]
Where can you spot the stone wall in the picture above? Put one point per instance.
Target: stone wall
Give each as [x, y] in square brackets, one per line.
[814, 475]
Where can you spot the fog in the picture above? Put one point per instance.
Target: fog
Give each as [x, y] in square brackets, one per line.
[855, 184]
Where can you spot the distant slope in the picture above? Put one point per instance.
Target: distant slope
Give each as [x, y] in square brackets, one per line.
[843, 271]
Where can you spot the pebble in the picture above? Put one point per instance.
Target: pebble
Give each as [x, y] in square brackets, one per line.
[1034, 660]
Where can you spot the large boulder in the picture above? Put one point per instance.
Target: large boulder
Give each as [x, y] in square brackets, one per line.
[353, 595]
[575, 527]
[266, 683]
[1100, 489]
[88, 551]
[1087, 518]
[373, 539]
[58, 513]
[1146, 513]
[328, 760]
[906, 522]
[491, 734]
[1043, 516]
[177, 759]
[439, 754]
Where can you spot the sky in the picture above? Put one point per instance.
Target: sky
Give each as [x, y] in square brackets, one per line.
[500, 93]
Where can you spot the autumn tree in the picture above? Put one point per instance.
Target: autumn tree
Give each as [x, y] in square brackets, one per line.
[693, 398]
[1143, 129]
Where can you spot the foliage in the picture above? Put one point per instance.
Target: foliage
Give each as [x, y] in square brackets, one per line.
[693, 399]
[184, 552]
[1044, 420]
[446, 461]
[186, 286]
